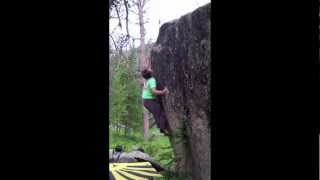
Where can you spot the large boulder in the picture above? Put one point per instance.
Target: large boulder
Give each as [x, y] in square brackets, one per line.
[120, 157]
[133, 156]
[181, 60]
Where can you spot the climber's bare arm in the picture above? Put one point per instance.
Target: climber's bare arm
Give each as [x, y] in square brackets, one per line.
[159, 92]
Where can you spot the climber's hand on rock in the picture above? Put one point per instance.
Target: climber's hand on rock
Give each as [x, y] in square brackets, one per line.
[166, 91]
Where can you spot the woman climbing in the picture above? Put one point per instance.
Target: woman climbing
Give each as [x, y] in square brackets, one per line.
[151, 102]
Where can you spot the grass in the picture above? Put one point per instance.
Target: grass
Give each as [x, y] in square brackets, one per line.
[157, 146]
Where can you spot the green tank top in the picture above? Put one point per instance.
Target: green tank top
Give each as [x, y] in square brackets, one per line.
[147, 89]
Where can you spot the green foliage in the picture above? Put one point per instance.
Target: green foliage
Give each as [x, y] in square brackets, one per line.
[128, 142]
[170, 175]
[158, 146]
[125, 104]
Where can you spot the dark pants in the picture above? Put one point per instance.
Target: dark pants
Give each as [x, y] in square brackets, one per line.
[154, 106]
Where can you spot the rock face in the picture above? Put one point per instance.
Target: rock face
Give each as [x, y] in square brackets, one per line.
[181, 61]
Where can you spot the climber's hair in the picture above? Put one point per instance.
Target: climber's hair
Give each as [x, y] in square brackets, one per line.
[146, 74]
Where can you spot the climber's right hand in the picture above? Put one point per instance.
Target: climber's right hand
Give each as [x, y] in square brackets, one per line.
[166, 91]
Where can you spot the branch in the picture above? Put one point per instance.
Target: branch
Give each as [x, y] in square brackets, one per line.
[140, 3]
[114, 43]
[136, 2]
[117, 10]
[144, 2]
[127, 17]
[110, 4]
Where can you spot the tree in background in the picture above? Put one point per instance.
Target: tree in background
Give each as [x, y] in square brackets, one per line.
[119, 9]
[143, 61]
[125, 110]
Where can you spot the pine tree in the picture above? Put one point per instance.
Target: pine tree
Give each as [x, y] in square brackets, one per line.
[125, 109]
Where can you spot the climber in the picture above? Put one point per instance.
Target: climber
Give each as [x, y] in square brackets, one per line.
[151, 102]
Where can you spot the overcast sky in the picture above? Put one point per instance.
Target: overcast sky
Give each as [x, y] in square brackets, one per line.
[161, 11]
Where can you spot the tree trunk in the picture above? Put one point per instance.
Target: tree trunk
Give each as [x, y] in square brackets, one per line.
[143, 62]
[142, 38]
[145, 124]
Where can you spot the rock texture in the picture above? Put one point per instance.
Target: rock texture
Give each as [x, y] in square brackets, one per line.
[181, 60]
